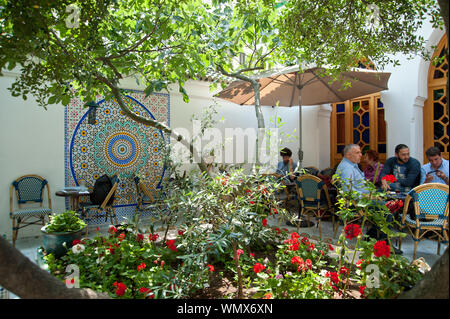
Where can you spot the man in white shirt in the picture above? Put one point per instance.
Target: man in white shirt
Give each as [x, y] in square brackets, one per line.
[436, 171]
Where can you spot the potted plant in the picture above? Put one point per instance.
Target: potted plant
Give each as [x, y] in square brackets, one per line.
[63, 228]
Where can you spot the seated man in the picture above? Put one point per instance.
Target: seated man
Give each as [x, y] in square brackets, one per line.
[348, 169]
[405, 169]
[287, 166]
[436, 171]
[353, 177]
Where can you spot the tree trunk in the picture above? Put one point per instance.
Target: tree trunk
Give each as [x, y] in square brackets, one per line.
[259, 115]
[25, 279]
[434, 285]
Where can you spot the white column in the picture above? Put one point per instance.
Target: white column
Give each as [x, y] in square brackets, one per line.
[416, 129]
[323, 136]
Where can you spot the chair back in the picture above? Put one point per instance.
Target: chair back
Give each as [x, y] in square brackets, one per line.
[278, 177]
[141, 188]
[430, 200]
[109, 199]
[29, 189]
[309, 188]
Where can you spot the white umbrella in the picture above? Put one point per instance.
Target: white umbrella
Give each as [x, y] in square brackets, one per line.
[291, 87]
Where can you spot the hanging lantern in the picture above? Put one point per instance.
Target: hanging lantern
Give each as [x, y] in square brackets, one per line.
[92, 110]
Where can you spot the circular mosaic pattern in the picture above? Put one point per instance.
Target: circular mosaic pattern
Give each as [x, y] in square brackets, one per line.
[121, 147]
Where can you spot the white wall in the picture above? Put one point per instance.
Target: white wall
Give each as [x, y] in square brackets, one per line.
[405, 98]
[32, 142]
[32, 138]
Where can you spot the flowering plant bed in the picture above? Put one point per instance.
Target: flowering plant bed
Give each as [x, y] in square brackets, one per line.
[224, 247]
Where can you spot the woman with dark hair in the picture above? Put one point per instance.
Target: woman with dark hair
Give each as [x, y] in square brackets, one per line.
[373, 166]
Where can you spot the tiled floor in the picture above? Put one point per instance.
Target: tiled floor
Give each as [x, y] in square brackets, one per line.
[426, 249]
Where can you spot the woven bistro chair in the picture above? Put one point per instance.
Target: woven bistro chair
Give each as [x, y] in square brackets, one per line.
[90, 211]
[147, 200]
[284, 196]
[431, 208]
[29, 190]
[313, 198]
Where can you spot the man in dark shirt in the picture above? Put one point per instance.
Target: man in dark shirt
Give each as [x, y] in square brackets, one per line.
[405, 169]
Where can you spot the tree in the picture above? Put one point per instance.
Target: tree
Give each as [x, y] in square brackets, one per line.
[85, 48]
[251, 29]
[29, 281]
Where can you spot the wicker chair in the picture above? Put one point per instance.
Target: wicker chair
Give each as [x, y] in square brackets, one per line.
[29, 190]
[90, 211]
[431, 208]
[146, 198]
[284, 196]
[314, 198]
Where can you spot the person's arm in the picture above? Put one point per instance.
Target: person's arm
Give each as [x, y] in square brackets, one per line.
[422, 176]
[279, 171]
[291, 169]
[380, 169]
[411, 176]
[442, 175]
[387, 170]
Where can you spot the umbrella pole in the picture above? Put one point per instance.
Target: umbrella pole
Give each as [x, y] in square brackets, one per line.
[300, 146]
[300, 151]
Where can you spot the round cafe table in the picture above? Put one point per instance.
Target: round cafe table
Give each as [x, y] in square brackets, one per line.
[74, 194]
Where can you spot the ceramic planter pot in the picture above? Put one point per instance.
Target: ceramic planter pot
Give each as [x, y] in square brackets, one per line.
[53, 242]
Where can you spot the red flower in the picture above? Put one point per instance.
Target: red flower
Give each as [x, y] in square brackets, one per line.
[275, 211]
[296, 260]
[278, 230]
[97, 229]
[264, 191]
[72, 281]
[211, 267]
[333, 276]
[264, 222]
[352, 231]
[361, 290]
[294, 235]
[305, 241]
[76, 242]
[112, 229]
[140, 237]
[294, 246]
[153, 237]
[308, 263]
[343, 270]
[252, 202]
[120, 291]
[381, 249]
[252, 254]
[394, 205]
[141, 266]
[239, 252]
[389, 178]
[171, 245]
[359, 263]
[180, 233]
[330, 247]
[267, 296]
[121, 236]
[258, 267]
[144, 290]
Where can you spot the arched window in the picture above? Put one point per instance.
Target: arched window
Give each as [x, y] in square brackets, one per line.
[359, 121]
[435, 114]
